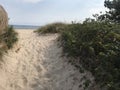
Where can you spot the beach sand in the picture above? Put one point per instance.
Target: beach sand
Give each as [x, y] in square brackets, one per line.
[36, 63]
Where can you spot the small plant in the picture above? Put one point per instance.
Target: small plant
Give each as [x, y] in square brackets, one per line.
[86, 84]
[7, 39]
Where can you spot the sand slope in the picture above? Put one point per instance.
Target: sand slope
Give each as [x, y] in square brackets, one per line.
[35, 63]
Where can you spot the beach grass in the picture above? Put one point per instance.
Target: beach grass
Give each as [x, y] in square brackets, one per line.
[51, 28]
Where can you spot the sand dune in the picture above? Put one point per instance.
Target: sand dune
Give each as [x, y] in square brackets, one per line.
[3, 19]
[35, 63]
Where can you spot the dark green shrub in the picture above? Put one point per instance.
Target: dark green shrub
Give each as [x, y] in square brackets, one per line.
[97, 45]
[8, 38]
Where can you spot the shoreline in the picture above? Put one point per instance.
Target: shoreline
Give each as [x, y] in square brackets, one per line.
[24, 29]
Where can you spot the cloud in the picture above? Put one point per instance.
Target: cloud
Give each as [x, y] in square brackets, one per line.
[32, 1]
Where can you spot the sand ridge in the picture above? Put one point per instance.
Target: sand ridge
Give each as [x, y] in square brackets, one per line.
[35, 63]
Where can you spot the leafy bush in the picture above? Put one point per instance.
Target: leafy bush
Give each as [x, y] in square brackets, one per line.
[97, 45]
[7, 39]
[51, 28]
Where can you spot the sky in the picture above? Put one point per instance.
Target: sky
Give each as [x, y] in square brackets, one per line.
[41, 12]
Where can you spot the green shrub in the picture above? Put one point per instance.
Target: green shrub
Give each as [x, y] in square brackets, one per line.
[97, 45]
[7, 39]
[51, 28]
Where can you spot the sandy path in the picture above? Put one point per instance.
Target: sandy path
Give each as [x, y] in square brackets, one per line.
[35, 63]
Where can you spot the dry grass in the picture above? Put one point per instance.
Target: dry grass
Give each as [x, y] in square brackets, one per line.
[3, 19]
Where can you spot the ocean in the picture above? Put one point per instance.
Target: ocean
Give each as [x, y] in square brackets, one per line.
[25, 27]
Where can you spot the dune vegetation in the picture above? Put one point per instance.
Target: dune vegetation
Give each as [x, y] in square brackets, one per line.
[7, 39]
[51, 28]
[95, 44]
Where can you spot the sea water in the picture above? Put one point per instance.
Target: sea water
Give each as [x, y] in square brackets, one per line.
[25, 27]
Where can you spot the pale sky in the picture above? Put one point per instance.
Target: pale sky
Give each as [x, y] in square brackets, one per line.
[40, 12]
